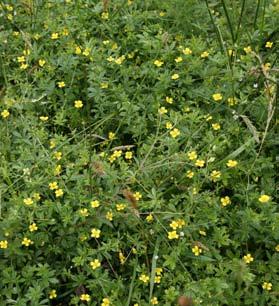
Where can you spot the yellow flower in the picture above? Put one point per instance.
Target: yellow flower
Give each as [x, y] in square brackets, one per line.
[187, 51]
[54, 36]
[247, 49]
[65, 32]
[162, 110]
[267, 286]
[111, 135]
[174, 225]
[120, 207]
[192, 155]
[190, 174]
[128, 155]
[57, 155]
[205, 54]
[104, 85]
[42, 62]
[159, 271]
[157, 279]
[231, 52]
[37, 36]
[232, 101]
[154, 301]
[117, 153]
[216, 126]
[5, 113]
[266, 66]
[110, 59]
[208, 117]
[112, 158]
[52, 294]
[61, 84]
[28, 201]
[44, 118]
[179, 59]
[137, 195]
[200, 163]
[144, 278]
[9, 7]
[85, 297]
[105, 15]
[95, 264]
[59, 193]
[215, 175]
[84, 212]
[3, 244]
[277, 248]
[203, 233]
[169, 125]
[149, 218]
[119, 60]
[232, 163]
[10, 16]
[106, 302]
[248, 258]
[57, 170]
[78, 50]
[169, 100]
[21, 59]
[26, 52]
[175, 76]
[52, 144]
[217, 97]
[78, 104]
[162, 14]
[26, 241]
[196, 250]
[158, 63]
[95, 204]
[95, 233]
[109, 215]
[23, 66]
[268, 44]
[121, 258]
[172, 235]
[225, 201]
[174, 133]
[53, 185]
[264, 198]
[33, 227]
[86, 52]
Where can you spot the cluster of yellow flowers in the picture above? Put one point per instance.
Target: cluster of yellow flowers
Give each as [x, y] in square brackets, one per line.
[175, 224]
[58, 191]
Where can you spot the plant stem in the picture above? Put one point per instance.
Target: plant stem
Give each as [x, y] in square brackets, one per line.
[228, 20]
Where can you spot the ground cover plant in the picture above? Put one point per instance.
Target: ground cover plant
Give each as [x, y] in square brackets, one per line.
[138, 152]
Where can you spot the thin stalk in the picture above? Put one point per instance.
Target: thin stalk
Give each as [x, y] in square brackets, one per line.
[219, 36]
[228, 20]
[263, 17]
[4, 71]
[256, 14]
[240, 19]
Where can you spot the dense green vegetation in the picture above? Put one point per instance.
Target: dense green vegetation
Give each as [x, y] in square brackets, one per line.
[138, 152]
